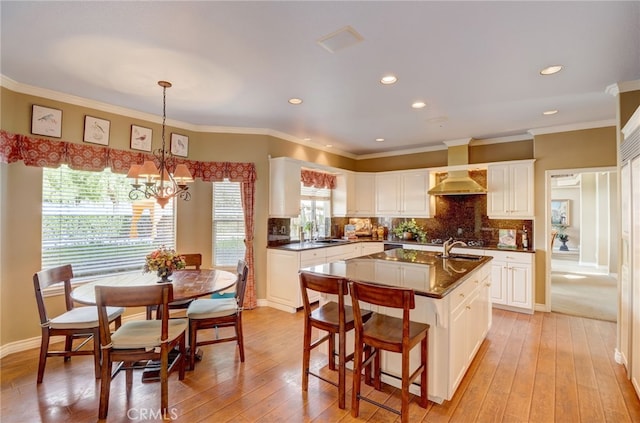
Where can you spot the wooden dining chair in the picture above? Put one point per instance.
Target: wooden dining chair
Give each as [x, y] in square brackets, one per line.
[382, 332]
[139, 340]
[335, 318]
[193, 261]
[75, 323]
[207, 313]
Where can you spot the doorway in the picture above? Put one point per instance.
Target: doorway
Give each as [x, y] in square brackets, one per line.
[582, 231]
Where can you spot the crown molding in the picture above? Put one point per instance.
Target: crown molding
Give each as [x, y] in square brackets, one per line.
[400, 152]
[499, 140]
[572, 127]
[632, 124]
[109, 108]
[623, 87]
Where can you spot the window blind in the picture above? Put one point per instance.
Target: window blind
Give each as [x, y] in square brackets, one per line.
[89, 221]
[228, 224]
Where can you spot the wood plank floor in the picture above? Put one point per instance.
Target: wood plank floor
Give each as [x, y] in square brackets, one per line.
[542, 368]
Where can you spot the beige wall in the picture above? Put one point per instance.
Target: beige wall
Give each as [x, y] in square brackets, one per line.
[565, 150]
[20, 191]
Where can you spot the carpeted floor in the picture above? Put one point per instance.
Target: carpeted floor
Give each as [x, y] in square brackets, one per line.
[584, 295]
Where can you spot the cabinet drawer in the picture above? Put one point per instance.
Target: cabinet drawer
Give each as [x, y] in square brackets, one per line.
[460, 294]
[510, 256]
[312, 257]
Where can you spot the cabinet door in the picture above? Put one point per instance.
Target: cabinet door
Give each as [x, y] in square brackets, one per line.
[519, 288]
[415, 202]
[283, 286]
[284, 191]
[339, 195]
[458, 349]
[361, 194]
[498, 282]
[388, 192]
[521, 190]
[497, 191]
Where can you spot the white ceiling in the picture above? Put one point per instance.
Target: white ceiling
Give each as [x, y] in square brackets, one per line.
[235, 64]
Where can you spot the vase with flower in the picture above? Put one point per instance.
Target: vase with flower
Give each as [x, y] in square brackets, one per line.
[409, 229]
[163, 261]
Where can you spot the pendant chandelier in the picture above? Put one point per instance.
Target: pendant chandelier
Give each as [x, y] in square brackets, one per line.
[166, 181]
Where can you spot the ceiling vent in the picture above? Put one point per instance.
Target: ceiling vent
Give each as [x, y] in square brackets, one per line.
[340, 39]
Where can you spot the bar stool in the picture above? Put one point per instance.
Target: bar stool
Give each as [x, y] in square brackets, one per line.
[382, 332]
[332, 318]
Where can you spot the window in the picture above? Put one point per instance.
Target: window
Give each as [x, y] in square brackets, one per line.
[315, 212]
[89, 221]
[228, 224]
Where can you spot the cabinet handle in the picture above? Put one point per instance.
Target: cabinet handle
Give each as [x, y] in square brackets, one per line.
[462, 295]
[488, 284]
[468, 307]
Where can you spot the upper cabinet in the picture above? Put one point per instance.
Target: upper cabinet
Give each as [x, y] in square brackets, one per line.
[361, 194]
[404, 194]
[284, 187]
[510, 191]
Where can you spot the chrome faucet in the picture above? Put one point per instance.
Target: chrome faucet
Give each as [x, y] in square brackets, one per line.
[448, 245]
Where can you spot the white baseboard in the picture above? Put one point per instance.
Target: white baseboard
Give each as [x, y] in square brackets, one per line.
[31, 343]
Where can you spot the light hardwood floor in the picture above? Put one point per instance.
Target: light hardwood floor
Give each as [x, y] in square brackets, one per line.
[542, 368]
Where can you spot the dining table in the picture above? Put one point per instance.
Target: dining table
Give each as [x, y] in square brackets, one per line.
[187, 284]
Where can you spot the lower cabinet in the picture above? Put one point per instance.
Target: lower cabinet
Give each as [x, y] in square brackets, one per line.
[459, 323]
[512, 280]
[283, 284]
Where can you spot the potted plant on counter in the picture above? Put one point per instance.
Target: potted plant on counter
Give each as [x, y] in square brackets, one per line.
[562, 236]
[409, 230]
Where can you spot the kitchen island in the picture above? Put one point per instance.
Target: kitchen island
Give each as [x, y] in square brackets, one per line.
[452, 296]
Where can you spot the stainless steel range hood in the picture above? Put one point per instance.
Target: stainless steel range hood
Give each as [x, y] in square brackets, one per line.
[458, 182]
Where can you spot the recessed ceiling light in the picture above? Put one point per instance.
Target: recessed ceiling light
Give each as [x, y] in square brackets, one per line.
[389, 79]
[550, 70]
[379, 139]
[329, 145]
[295, 101]
[306, 139]
[418, 104]
[550, 112]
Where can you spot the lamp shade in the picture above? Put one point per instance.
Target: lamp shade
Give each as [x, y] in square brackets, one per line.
[149, 170]
[134, 171]
[182, 174]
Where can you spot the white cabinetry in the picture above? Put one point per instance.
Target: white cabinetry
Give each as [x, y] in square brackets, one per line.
[459, 323]
[404, 194]
[284, 187]
[361, 194]
[283, 285]
[510, 191]
[512, 280]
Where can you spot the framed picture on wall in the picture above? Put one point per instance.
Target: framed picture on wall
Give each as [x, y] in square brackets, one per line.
[560, 212]
[179, 145]
[141, 138]
[46, 121]
[96, 131]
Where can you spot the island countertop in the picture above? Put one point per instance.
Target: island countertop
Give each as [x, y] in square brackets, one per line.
[427, 273]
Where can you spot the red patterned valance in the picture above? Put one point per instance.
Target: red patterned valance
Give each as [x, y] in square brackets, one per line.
[313, 178]
[47, 153]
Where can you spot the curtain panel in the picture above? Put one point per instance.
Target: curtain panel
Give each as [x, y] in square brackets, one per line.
[43, 152]
[316, 179]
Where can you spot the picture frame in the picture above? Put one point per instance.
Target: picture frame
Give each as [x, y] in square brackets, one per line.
[179, 145]
[506, 238]
[560, 212]
[96, 130]
[141, 138]
[46, 121]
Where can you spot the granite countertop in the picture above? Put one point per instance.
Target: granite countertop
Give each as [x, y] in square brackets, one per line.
[310, 245]
[424, 271]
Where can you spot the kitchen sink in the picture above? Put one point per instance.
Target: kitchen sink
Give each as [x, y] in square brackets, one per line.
[462, 257]
[329, 241]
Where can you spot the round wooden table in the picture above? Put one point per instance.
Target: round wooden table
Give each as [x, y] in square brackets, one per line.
[187, 284]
